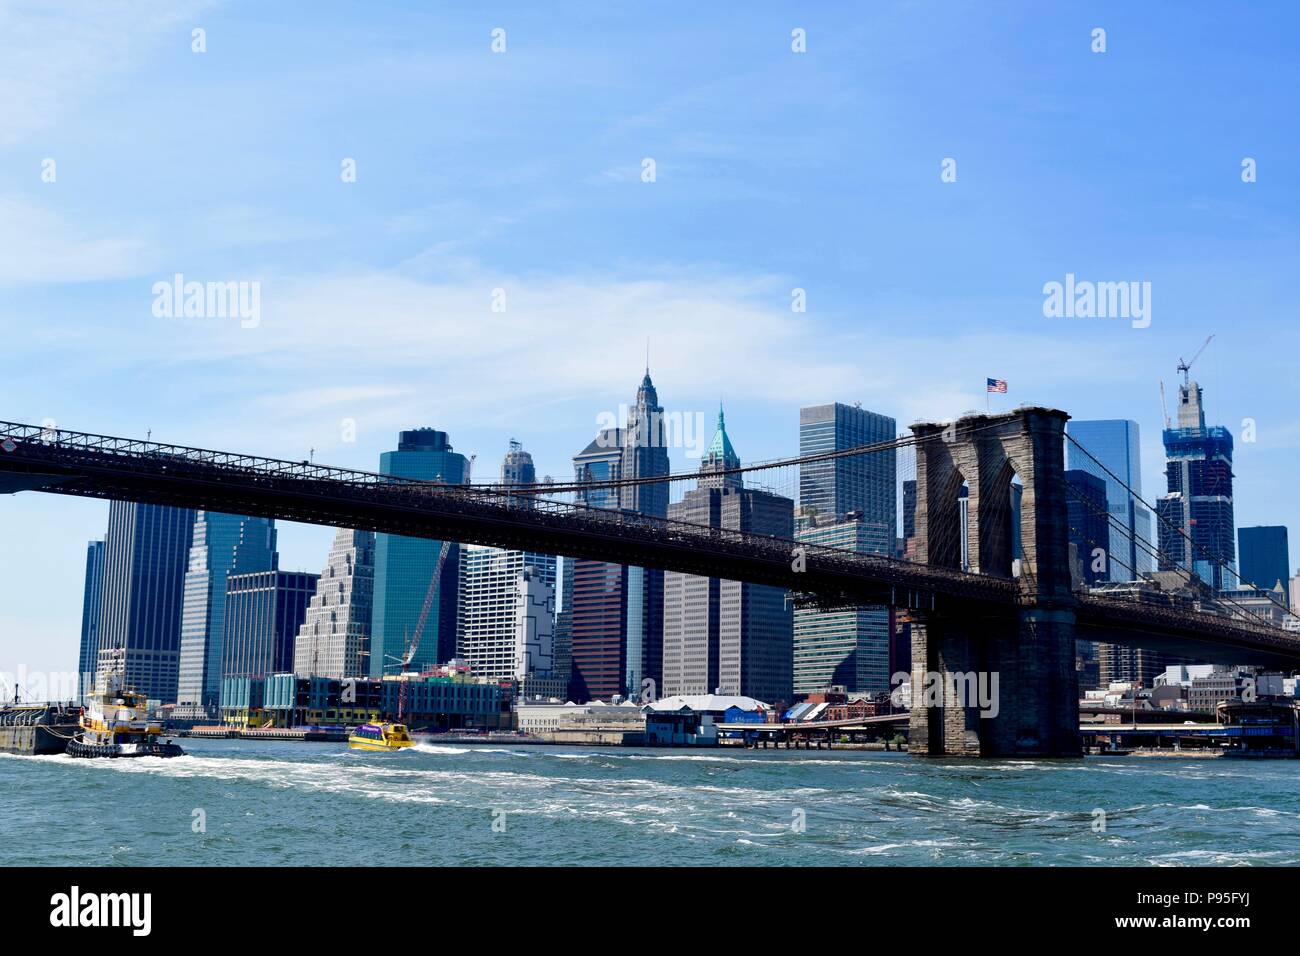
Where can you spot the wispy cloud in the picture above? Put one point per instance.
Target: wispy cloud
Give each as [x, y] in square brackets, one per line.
[39, 245]
[55, 57]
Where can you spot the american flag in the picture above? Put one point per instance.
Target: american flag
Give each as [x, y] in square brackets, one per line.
[997, 385]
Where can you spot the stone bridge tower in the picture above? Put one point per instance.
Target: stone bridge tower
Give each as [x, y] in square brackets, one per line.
[1025, 653]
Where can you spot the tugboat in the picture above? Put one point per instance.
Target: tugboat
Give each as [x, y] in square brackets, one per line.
[116, 724]
[380, 736]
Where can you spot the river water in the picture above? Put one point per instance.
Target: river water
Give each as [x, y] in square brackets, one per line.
[264, 803]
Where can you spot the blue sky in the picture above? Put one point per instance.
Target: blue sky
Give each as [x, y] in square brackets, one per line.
[522, 171]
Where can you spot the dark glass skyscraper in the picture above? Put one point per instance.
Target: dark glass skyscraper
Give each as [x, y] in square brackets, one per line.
[1265, 556]
[404, 566]
[861, 483]
[145, 556]
[1087, 513]
[1116, 446]
[263, 611]
[848, 503]
[222, 544]
[87, 660]
[1197, 524]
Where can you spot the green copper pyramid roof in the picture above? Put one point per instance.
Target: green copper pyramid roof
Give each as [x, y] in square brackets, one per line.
[720, 447]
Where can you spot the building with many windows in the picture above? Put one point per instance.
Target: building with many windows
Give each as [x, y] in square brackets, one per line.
[866, 484]
[849, 647]
[221, 544]
[1087, 514]
[264, 610]
[146, 550]
[848, 503]
[614, 624]
[88, 658]
[596, 596]
[517, 469]
[1264, 556]
[404, 566]
[334, 639]
[430, 703]
[1197, 526]
[1111, 450]
[505, 621]
[728, 637]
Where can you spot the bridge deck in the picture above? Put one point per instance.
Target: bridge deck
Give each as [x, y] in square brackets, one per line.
[87, 465]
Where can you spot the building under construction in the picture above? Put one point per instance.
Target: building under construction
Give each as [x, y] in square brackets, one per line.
[1197, 527]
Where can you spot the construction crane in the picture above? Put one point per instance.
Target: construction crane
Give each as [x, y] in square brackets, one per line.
[1185, 366]
[1164, 405]
[413, 645]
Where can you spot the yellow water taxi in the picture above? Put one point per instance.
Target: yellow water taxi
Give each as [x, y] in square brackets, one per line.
[380, 737]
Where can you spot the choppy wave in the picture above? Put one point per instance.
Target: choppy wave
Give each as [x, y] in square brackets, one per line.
[286, 802]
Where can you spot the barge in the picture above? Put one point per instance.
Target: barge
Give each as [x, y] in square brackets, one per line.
[31, 729]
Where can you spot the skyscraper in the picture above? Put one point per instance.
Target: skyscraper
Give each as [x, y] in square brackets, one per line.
[517, 469]
[728, 636]
[614, 614]
[1087, 513]
[645, 455]
[859, 483]
[1265, 556]
[562, 643]
[534, 625]
[264, 611]
[221, 544]
[1116, 445]
[334, 639]
[1129, 664]
[1196, 513]
[498, 593]
[404, 566]
[848, 503]
[145, 555]
[88, 658]
[849, 647]
[497, 586]
[597, 600]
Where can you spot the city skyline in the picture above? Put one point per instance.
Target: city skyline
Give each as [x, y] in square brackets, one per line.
[615, 448]
[947, 293]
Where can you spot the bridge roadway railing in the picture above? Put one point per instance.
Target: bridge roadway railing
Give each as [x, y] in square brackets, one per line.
[1139, 612]
[101, 466]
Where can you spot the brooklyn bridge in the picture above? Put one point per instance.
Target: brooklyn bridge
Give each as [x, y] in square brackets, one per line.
[992, 597]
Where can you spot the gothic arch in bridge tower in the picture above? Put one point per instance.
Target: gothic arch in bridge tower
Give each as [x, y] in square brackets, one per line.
[1027, 653]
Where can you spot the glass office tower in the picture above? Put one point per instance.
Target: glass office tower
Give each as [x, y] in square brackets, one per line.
[1116, 444]
[146, 550]
[861, 483]
[848, 503]
[404, 566]
[88, 658]
[264, 610]
[222, 544]
[1264, 556]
